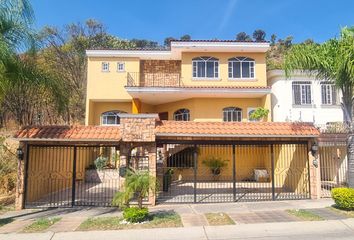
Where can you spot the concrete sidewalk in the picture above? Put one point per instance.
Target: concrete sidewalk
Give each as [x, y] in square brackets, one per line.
[332, 229]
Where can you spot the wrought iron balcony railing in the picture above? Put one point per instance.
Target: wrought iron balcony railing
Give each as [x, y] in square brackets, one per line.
[138, 79]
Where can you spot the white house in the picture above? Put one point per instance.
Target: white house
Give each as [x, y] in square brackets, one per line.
[303, 98]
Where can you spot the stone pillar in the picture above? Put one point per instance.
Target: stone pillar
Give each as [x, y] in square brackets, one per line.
[151, 149]
[21, 174]
[350, 156]
[314, 174]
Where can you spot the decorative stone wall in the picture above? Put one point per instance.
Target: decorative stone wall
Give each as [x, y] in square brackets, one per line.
[314, 175]
[160, 73]
[138, 127]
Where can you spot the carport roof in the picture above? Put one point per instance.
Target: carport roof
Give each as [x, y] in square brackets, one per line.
[69, 133]
[236, 129]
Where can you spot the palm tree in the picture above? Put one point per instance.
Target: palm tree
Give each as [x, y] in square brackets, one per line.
[333, 61]
[20, 75]
[137, 185]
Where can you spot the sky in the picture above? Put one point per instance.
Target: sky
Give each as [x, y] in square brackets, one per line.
[203, 19]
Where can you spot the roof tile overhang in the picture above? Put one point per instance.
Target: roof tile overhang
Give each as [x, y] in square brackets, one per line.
[236, 129]
[69, 133]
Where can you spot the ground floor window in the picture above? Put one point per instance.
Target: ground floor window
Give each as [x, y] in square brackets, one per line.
[232, 114]
[111, 118]
[182, 115]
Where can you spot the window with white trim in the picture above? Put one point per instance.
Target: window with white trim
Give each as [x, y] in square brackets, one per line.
[110, 118]
[302, 93]
[328, 93]
[205, 67]
[241, 67]
[120, 67]
[105, 66]
[232, 114]
[182, 114]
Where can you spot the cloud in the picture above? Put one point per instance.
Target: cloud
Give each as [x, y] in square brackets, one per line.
[228, 13]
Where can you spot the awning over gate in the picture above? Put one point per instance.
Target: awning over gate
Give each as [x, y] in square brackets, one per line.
[236, 129]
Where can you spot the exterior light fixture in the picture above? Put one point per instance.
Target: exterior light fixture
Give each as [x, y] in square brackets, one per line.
[315, 163]
[314, 149]
[19, 153]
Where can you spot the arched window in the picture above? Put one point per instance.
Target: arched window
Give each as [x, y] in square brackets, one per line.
[232, 114]
[205, 67]
[110, 118]
[241, 67]
[182, 115]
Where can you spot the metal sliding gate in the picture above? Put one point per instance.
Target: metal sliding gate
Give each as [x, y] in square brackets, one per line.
[65, 176]
[202, 173]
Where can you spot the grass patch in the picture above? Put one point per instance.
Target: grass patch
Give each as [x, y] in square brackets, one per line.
[156, 220]
[305, 215]
[41, 225]
[4, 221]
[6, 208]
[348, 214]
[216, 219]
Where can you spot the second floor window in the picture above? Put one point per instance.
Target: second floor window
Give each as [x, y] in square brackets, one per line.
[302, 92]
[110, 118]
[205, 67]
[182, 115]
[328, 93]
[232, 114]
[105, 67]
[120, 67]
[241, 67]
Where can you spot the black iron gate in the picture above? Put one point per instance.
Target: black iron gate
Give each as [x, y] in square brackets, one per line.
[65, 176]
[229, 172]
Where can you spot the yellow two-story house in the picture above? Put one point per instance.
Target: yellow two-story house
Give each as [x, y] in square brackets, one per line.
[195, 80]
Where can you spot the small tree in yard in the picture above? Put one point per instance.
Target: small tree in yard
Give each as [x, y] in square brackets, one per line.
[137, 185]
[333, 61]
[259, 113]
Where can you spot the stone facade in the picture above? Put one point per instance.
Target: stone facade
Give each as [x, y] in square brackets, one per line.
[314, 174]
[20, 188]
[138, 128]
[160, 73]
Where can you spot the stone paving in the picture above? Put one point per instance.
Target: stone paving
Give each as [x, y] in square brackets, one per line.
[191, 215]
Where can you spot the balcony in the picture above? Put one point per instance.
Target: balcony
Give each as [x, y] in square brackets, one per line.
[137, 79]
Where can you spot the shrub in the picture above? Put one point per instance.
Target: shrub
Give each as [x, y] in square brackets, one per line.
[135, 214]
[101, 162]
[344, 198]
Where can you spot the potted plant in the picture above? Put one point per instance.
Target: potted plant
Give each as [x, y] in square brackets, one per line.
[215, 164]
[259, 114]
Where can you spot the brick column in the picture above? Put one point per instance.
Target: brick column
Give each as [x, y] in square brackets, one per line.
[151, 148]
[21, 173]
[314, 174]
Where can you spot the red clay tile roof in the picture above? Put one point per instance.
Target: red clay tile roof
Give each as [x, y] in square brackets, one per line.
[217, 40]
[67, 133]
[209, 86]
[236, 129]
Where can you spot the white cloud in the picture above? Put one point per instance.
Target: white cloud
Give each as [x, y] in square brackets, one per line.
[228, 13]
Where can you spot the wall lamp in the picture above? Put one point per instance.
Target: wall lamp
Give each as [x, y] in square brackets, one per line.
[19, 153]
[314, 149]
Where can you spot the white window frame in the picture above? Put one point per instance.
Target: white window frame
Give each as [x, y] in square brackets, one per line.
[248, 114]
[120, 66]
[251, 70]
[205, 60]
[328, 88]
[227, 114]
[107, 114]
[182, 114]
[303, 91]
[105, 67]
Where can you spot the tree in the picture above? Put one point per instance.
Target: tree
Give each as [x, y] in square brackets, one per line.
[333, 61]
[242, 36]
[309, 41]
[137, 185]
[186, 37]
[64, 54]
[24, 86]
[259, 35]
[167, 41]
[273, 38]
[143, 43]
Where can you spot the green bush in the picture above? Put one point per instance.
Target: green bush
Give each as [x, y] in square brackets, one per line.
[135, 214]
[101, 162]
[344, 198]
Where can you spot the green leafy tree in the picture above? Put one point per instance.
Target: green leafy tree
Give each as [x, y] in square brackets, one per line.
[242, 36]
[186, 37]
[143, 43]
[64, 54]
[167, 41]
[259, 35]
[273, 38]
[333, 61]
[137, 185]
